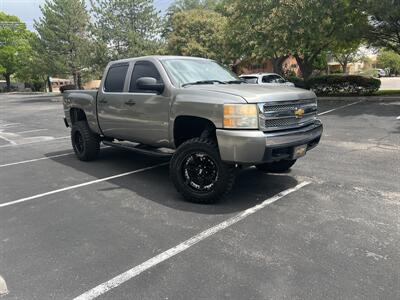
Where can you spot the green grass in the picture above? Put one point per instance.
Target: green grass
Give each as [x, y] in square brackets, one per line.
[387, 92]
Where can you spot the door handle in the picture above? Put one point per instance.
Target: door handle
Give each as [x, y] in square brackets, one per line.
[102, 101]
[130, 102]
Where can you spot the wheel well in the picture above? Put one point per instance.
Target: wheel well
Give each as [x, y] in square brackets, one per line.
[188, 127]
[77, 114]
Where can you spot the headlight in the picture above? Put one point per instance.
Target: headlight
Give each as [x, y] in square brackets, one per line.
[244, 116]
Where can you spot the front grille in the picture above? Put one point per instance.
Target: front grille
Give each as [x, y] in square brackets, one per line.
[287, 114]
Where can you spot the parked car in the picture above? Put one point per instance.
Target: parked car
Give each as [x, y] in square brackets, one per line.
[381, 73]
[211, 122]
[266, 79]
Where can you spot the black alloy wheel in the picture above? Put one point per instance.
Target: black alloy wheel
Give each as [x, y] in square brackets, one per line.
[200, 172]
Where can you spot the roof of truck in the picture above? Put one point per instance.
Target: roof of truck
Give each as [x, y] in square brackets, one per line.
[158, 57]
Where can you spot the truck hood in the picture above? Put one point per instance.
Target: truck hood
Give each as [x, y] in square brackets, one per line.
[254, 93]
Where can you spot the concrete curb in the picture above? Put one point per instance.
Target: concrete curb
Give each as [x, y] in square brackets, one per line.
[3, 287]
[53, 97]
[361, 98]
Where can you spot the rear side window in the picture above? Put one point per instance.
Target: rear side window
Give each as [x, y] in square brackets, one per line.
[115, 79]
[250, 79]
[143, 69]
[273, 79]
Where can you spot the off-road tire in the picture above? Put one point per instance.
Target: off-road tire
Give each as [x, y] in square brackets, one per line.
[277, 166]
[207, 150]
[85, 143]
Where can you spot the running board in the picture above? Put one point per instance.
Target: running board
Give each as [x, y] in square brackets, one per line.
[140, 148]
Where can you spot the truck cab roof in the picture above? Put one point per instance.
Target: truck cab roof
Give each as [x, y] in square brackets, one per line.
[157, 57]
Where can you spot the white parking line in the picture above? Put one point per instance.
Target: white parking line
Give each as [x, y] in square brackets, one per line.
[3, 287]
[2, 125]
[340, 107]
[42, 158]
[29, 131]
[35, 159]
[78, 185]
[34, 142]
[12, 143]
[135, 271]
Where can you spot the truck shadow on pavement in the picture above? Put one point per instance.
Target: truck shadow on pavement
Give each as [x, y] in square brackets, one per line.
[251, 186]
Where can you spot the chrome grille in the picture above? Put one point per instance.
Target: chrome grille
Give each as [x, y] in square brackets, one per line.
[282, 115]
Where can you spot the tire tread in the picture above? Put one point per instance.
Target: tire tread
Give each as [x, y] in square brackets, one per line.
[92, 142]
[228, 170]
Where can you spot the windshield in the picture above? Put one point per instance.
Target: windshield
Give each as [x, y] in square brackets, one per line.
[184, 71]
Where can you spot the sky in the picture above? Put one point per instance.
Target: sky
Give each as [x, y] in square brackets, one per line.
[28, 10]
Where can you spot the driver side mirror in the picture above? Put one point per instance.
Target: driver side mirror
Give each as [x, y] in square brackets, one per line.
[149, 84]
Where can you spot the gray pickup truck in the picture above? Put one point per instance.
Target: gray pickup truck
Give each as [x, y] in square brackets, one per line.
[198, 112]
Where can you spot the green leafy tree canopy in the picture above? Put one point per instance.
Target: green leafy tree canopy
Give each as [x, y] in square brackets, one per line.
[181, 5]
[14, 45]
[384, 24]
[198, 32]
[305, 29]
[389, 60]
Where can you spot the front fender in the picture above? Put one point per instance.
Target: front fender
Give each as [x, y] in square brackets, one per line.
[201, 104]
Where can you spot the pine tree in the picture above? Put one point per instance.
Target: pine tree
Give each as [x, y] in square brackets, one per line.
[63, 33]
[126, 28]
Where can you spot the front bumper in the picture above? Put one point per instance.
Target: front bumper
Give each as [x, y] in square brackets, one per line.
[254, 146]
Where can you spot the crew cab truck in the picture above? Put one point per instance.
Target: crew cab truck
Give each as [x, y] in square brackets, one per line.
[211, 121]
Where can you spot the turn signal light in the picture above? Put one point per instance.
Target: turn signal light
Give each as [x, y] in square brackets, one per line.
[241, 116]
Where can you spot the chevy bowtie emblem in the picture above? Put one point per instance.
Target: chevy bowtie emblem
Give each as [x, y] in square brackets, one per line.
[299, 113]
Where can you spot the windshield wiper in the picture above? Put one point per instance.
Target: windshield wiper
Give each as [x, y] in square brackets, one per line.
[235, 81]
[204, 82]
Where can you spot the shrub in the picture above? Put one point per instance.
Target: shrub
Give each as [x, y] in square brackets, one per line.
[298, 82]
[343, 85]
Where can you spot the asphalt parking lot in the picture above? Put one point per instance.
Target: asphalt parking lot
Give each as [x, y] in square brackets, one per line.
[66, 227]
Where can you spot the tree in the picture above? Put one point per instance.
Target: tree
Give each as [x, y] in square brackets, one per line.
[384, 24]
[198, 32]
[185, 5]
[250, 36]
[345, 55]
[35, 69]
[181, 5]
[389, 60]
[315, 26]
[14, 45]
[63, 34]
[125, 28]
[302, 28]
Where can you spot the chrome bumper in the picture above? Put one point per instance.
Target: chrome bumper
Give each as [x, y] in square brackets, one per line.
[254, 146]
